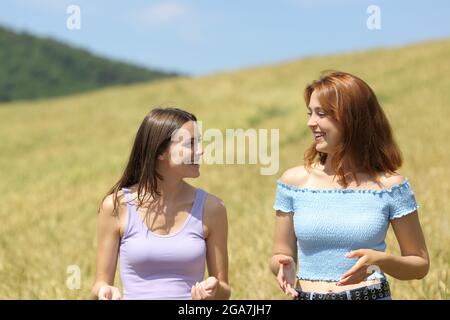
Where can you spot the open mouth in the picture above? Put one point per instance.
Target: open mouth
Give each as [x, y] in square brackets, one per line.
[319, 135]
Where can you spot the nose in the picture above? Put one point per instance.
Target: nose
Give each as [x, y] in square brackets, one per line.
[199, 150]
[312, 122]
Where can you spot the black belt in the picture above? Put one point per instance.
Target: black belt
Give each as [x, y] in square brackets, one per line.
[372, 292]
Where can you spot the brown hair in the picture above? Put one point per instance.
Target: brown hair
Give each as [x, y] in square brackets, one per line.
[367, 143]
[152, 139]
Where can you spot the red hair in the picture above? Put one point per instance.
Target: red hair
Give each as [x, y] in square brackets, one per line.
[367, 143]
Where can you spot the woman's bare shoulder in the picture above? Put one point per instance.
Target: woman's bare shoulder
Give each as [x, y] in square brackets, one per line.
[114, 213]
[296, 176]
[214, 214]
[214, 204]
[108, 201]
[389, 180]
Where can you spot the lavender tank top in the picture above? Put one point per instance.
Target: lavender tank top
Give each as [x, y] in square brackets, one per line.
[156, 266]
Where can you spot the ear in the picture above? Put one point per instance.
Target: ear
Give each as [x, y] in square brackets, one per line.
[164, 155]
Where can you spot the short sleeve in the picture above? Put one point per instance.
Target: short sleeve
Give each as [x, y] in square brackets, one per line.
[403, 200]
[283, 199]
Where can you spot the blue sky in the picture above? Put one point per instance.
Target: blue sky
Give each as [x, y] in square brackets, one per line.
[206, 36]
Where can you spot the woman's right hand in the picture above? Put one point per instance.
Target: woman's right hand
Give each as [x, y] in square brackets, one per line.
[286, 275]
[205, 290]
[109, 293]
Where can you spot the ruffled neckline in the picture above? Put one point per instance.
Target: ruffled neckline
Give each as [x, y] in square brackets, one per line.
[346, 190]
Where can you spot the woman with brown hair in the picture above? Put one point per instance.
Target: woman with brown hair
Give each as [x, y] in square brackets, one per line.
[332, 213]
[162, 229]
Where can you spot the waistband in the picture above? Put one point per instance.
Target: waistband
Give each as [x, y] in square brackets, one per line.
[372, 292]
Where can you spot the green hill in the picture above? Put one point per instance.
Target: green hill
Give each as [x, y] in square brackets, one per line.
[34, 67]
[59, 156]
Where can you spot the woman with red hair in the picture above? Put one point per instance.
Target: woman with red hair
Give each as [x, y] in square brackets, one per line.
[333, 213]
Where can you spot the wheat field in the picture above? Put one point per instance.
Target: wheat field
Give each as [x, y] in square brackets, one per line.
[59, 156]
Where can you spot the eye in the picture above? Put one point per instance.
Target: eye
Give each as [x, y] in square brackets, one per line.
[194, 142]
[309, 113]
[322, 114]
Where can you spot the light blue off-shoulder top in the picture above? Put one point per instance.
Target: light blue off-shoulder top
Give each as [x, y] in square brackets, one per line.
[330, 223]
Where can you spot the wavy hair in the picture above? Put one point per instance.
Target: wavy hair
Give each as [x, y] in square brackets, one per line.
[367, 143]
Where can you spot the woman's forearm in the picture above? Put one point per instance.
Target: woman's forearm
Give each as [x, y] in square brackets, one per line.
[404, 267]
[223, 291]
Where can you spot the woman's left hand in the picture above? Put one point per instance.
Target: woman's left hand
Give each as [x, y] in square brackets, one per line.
[205, 290]
[368, 262]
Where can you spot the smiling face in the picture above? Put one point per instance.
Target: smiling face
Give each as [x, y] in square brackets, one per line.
[183, 155]
[324, 127]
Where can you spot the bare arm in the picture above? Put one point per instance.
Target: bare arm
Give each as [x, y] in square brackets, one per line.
[285, 242]
[216, 245]
[108, 237]
[414, 261]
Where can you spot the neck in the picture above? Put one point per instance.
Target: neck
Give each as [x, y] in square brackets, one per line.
[171, 187]
[327, 168]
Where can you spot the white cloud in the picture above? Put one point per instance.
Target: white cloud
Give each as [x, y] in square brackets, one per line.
[173, 17]
[321, 3]
[163, 13]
